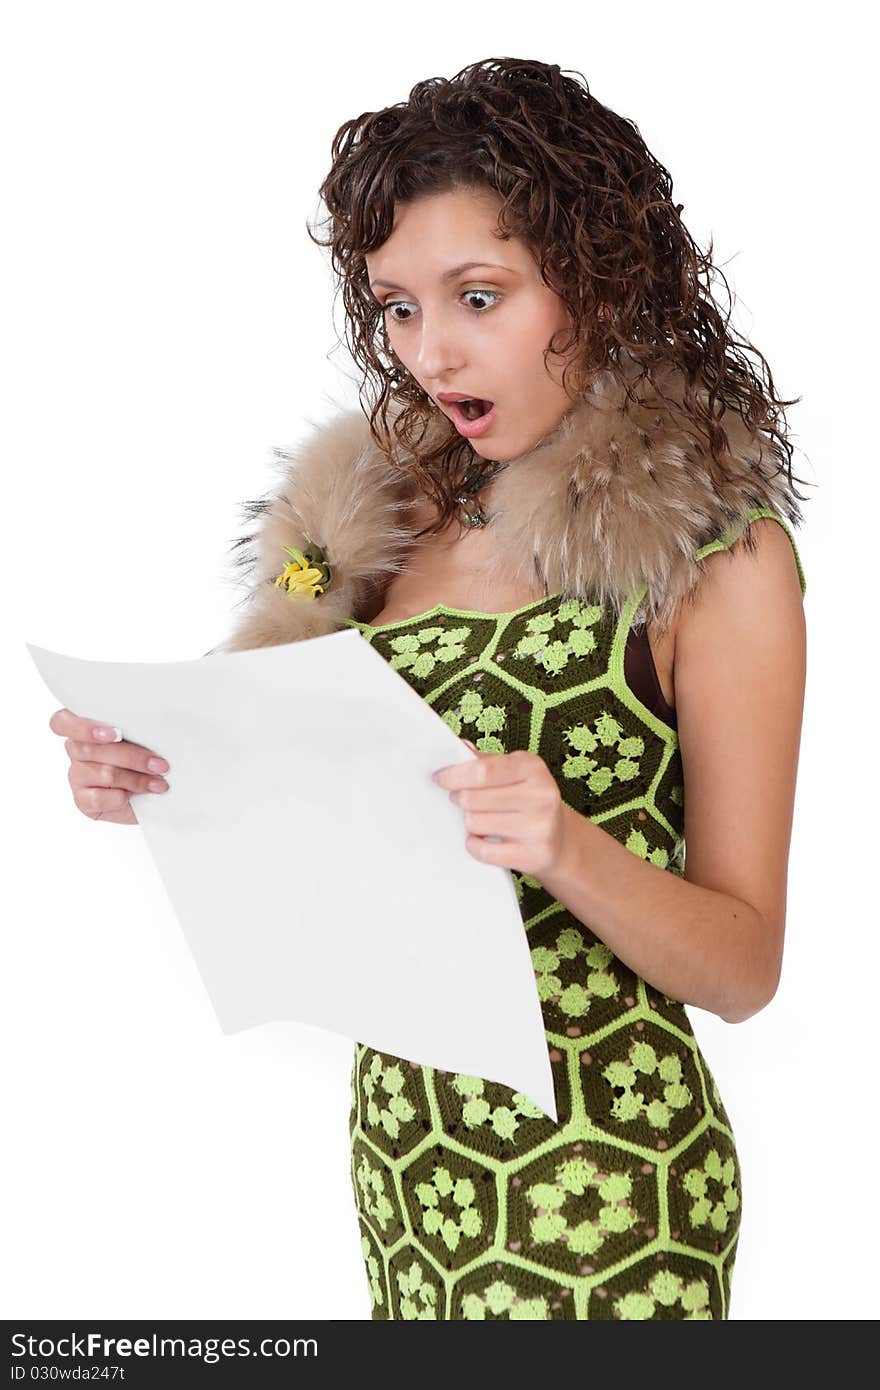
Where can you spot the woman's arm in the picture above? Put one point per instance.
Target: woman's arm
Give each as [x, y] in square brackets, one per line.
[714, 938]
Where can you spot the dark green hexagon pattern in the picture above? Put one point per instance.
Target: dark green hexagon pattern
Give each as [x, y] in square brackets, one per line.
[471, 1202]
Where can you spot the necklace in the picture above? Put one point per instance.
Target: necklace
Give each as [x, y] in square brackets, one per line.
[472, 513]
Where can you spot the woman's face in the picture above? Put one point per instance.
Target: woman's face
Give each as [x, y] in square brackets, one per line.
[483, 330]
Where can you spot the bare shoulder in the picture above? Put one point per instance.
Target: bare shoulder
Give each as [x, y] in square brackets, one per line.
[755, 587]
[740, 640]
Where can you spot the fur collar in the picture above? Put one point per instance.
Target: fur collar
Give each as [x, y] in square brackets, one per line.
[613, 502]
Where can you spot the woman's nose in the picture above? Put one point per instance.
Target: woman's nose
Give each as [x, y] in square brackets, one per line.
[438, 356]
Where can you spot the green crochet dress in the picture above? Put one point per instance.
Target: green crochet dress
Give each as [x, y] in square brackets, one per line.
[471, 1202]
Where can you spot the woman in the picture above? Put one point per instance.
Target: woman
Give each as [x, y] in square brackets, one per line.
[537, 565]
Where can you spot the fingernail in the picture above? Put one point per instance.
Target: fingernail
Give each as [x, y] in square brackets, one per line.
[156, 786]
[471, 745]
[157, 764]
[109, 735]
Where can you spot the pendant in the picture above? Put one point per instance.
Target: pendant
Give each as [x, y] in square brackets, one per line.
[473, 514]
[468, 502]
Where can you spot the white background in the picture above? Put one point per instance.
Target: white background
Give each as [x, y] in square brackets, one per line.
[166, 322]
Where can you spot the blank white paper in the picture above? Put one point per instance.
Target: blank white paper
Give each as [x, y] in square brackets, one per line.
[317, 872]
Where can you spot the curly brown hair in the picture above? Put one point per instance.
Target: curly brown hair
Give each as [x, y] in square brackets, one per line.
[580, 187]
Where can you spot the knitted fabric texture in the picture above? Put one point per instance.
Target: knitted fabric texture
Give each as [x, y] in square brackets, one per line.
[472, 1204]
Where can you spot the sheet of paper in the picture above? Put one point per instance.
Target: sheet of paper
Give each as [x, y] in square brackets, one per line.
[317, 872]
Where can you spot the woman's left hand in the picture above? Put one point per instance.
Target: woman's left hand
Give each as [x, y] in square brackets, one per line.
[514, 796]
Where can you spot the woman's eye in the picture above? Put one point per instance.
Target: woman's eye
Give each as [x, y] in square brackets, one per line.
[484, 294]
[393, 304]
[390, 304]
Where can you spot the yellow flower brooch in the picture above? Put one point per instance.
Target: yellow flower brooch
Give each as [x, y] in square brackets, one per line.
[307, 571]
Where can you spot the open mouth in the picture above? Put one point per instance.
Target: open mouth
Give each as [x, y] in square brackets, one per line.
[471, 416]
[471, 409]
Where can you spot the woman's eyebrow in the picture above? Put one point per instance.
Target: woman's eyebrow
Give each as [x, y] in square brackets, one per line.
[449, 274]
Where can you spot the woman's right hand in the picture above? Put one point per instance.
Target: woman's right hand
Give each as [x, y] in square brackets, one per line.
[103, 774]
